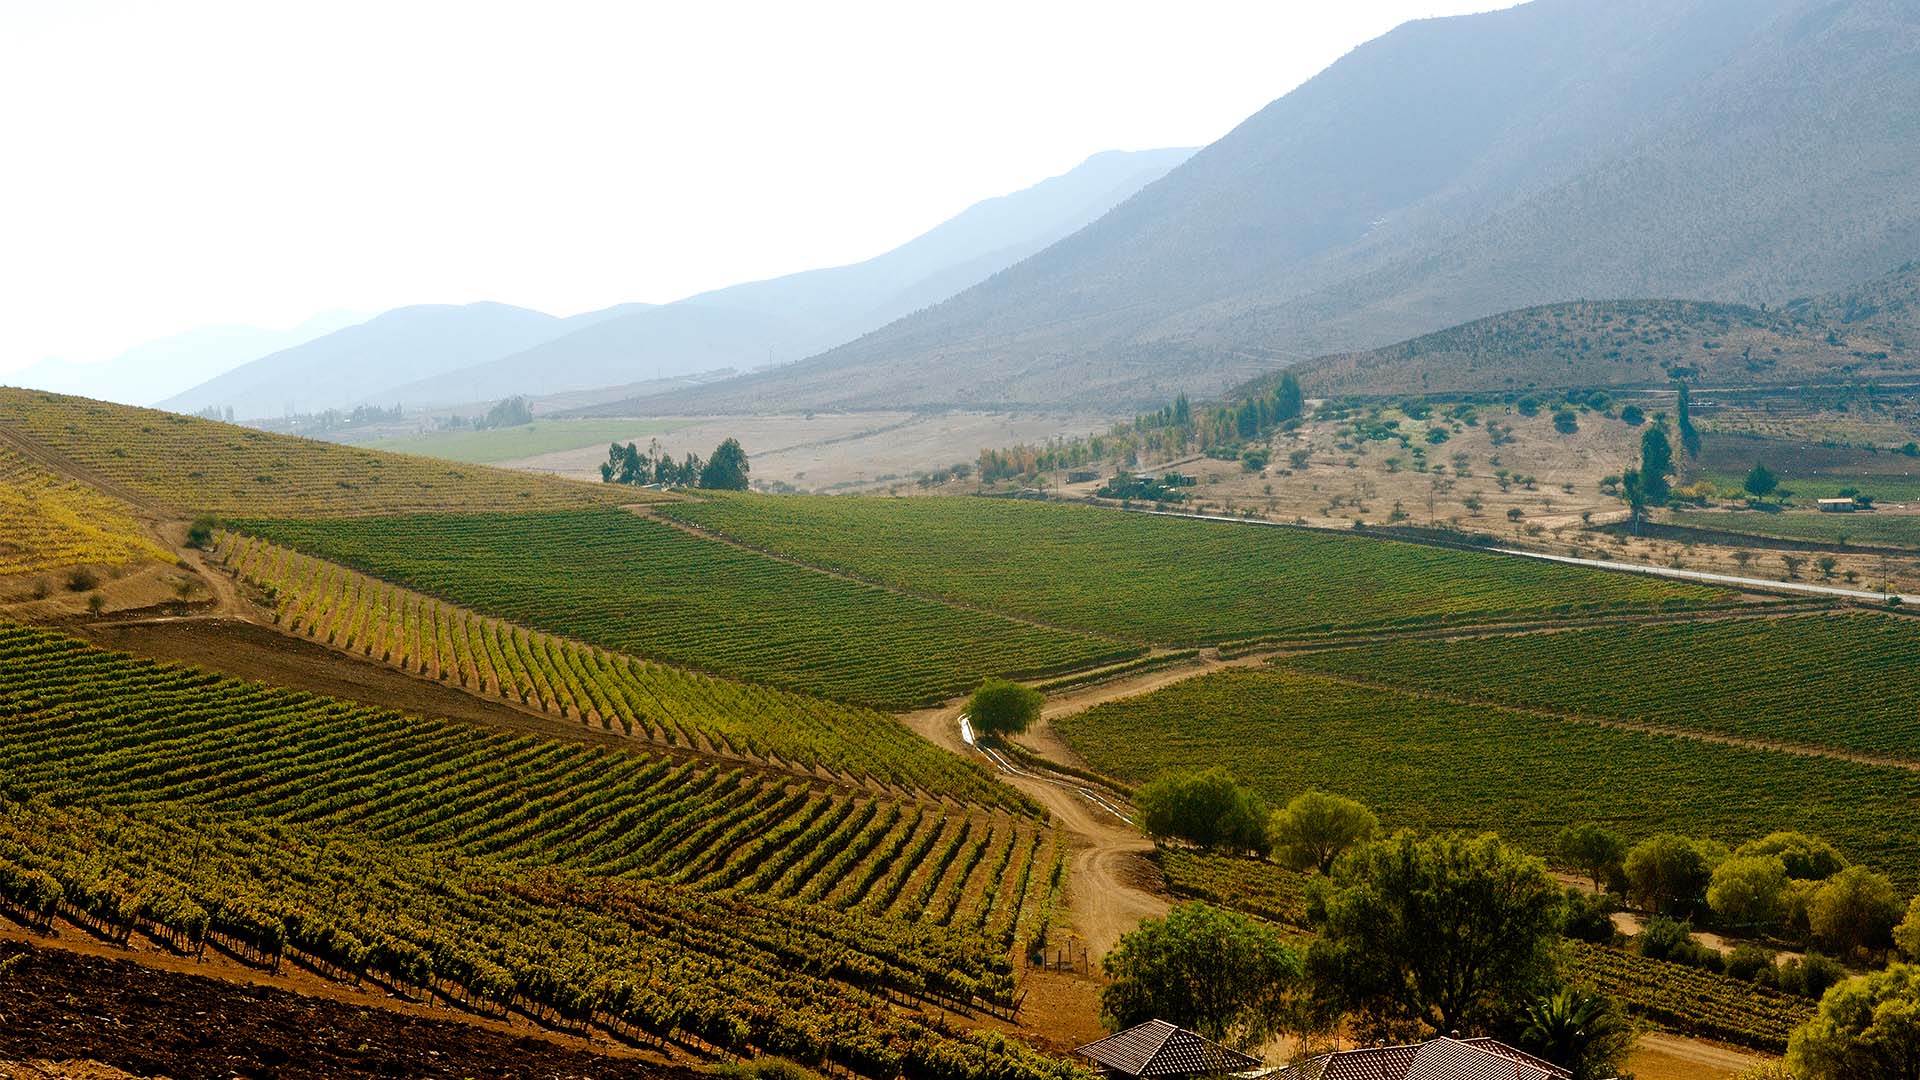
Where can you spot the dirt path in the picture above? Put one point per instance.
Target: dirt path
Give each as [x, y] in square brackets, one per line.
[1661, 1056]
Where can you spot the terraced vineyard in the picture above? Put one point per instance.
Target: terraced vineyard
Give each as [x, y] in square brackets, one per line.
[195, 466]
[742, 907]
[1744, 677]
[362, 615]
[1690, 1000]
[1254, 886]
[47, 522]
[1165, 579]
[1428, 764]
[619, 581]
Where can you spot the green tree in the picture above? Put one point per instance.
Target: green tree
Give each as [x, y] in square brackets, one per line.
[1667, 873]
[1749, 891]
[1315, 828]
[200, 533]
[1906, 936]
[1807, 858]
[1288, 401]
[1854, 911]
[1209, 808]
[1001, 707]
[1760, 481]
[727, 469]
[1689, 435]
[1866, 1029]
[1583, 1033]
[1656, 464]
[1216, 972]
[1419, 935]
[1594, 850]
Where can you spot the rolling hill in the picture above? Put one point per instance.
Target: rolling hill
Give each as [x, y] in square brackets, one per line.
[1718, 150]
[1862, 333]
[362, 364]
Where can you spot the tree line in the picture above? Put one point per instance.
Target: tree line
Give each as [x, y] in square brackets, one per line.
[726, 470]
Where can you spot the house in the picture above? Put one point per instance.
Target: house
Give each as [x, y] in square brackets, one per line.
[1837, 506]
[1436, 1059]
[1159, 1049]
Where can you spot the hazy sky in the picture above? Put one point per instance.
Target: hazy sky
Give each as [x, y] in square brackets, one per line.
[172, 165]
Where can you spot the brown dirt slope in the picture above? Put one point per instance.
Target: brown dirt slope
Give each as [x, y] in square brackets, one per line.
[145, 1021]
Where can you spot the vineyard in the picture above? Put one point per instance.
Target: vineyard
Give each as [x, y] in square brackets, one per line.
[1744, 677]
[1689, 1000]
[661, 898]
[361, 615]
[1164, 579]
[619, 581]
[1427, 764]
[47, 523]
[1254, 886]
[1884, 529]
[196, 466]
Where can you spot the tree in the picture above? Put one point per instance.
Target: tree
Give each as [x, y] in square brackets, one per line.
[1288, 402]
[1667, 873]
[200, 533]
[509, 412]
[1760, 481]
[1000, 707]
[1583, 1033]
[1315, 828]
[1634, 488]
[1633, 416]
[1422, 935]
[96, 604]
[1854, 911]
[1906, 936]
[727, 469]
[1656, 464]
[1594, 850]
[1749, 891]
[1683, 411]
[1209, 808]
[1216, 972]
[1866, 1029]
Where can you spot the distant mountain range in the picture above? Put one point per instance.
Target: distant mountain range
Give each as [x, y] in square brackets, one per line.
[1735, 151]
[161, 368]
[438, 356]
[1869, 332]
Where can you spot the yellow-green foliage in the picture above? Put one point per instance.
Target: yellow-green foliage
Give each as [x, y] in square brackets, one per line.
[47, 522]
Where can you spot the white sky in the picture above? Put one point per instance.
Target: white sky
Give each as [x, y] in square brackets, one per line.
[169, 165]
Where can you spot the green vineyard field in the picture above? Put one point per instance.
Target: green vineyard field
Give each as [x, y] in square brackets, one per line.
[1254, 886]
[1845, 682]
[619, 581]
[1689, 1000]
[1164, 579]
[362, 615]
[1427, 764]
[196, 466]
[743, 908]
[1882, 529]
[47, 522]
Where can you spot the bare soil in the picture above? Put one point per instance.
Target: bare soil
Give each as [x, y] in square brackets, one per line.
[148, 1021]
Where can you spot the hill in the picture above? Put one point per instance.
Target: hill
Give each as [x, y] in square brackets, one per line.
[170, 365]
[1717, 150]
[363, 363]
[782, 319]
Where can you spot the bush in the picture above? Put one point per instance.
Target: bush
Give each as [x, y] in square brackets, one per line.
[1209, 808]
[1811, 977]
[1633, 416]
[1671, 940]
[1565, 422]
[1590, 917]
[764, 1068]
[200, 533]
[1001, 707]
[1752, 963]
[82, 579]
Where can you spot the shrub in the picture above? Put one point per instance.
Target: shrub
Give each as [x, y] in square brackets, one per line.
[82, 579]
[1590, 917]
[1671, 940]
[1752, 963]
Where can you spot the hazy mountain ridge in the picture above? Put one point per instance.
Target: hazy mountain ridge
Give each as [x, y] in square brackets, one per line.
[1454, 168]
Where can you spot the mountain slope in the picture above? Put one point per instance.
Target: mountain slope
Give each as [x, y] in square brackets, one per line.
[747, 326]
[364, 362]
[151, 371]
[1733, 150]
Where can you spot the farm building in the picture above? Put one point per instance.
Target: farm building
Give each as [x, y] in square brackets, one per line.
[1836, 506]
[1159, 1049]
[1436, 1059]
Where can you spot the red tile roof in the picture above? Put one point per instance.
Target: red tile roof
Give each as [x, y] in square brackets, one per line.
[1157, 1048]
[1438, 1059]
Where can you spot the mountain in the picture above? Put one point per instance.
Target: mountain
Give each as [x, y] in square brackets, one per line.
[747, 326]
[146, 373]
[362, 364]
[1717, 150]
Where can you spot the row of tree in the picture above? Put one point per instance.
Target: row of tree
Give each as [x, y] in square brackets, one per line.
[726, 470]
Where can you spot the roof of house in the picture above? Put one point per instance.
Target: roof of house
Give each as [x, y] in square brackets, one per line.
[1157, 1048]
[1437, 1059]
